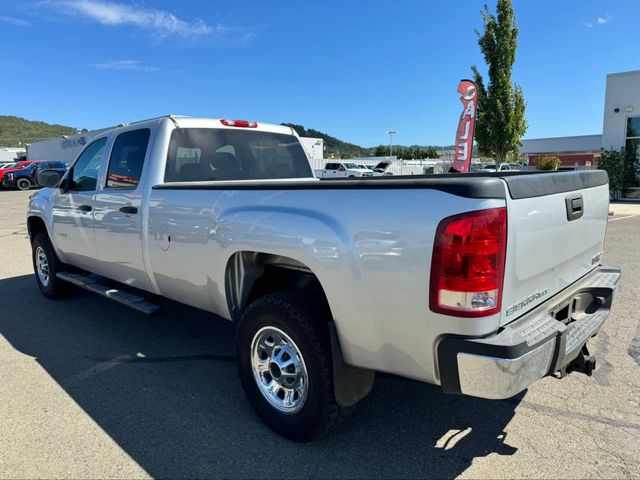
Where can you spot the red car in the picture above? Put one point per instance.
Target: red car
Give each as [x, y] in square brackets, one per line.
[16, 166]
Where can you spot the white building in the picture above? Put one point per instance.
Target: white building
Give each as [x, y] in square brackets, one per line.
[63, 149]
[314, 147]
[10, 154]
[621, 128]
[622, 111]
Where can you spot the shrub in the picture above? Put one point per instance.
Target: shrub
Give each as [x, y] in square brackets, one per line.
[548, 162]
[623, 169]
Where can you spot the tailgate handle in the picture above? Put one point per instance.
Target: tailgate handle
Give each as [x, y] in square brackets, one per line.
[575, 207]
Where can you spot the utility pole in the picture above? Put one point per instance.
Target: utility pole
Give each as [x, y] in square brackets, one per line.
[391, 133]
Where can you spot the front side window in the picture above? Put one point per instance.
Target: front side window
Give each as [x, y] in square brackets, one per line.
[209, 154]
[127, 159]
[85, 170]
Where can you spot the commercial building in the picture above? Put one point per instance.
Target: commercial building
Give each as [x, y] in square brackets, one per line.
[10, 154]
[314, 147]
[62, 149]
[579, 151]
[622, 112]
[621, 128]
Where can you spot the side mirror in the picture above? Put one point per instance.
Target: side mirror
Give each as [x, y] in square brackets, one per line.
[48, 178]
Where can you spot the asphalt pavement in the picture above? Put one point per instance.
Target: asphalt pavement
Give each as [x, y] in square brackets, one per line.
[91, 389]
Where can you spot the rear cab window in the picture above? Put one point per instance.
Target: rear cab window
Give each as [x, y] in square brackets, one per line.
[210, 154]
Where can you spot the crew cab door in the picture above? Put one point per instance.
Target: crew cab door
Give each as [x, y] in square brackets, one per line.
[72, 209]
[118, 210]
[331, 170]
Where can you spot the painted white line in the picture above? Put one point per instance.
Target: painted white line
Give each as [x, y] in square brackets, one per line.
[620, 218]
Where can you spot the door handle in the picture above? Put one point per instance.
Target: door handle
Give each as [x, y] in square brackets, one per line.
[85, 208]
[574, 206]
[129, 209]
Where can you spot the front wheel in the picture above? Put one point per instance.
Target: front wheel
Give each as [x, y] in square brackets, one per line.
[284, 362]
[46, 265]
[23, 184]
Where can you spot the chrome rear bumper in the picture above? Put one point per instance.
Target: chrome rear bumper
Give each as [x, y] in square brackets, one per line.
[541, 342]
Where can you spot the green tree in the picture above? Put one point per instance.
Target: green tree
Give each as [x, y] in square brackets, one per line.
[431, 152]
[382, 151]
[501, 118]
[623, 168]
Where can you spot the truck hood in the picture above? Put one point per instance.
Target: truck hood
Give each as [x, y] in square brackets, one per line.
[382, 165]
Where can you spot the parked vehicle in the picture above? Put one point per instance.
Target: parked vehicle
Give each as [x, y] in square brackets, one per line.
[492, 167]
[345, 169]
[24, 178]
[381, 169]
[488, 295]
[15, 166]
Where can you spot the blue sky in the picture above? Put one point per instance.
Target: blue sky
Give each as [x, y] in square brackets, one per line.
[352, 69]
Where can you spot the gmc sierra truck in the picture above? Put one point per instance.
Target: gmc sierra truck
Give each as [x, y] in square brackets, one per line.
[479, 283]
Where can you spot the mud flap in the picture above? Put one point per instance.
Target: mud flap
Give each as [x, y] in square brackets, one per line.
[350, 384]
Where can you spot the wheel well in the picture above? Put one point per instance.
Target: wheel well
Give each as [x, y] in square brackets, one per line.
[35, 225]
[251, 275]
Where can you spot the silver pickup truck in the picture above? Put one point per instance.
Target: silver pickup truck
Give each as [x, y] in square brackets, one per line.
[481, 284]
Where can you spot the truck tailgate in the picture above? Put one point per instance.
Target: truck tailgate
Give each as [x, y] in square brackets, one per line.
[556, 229]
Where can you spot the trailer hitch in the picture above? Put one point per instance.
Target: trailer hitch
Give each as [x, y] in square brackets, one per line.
[583, 363]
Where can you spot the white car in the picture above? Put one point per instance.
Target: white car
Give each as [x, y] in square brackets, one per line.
[493, 168]
[345, 169]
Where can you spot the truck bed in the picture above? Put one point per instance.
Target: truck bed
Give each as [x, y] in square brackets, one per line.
[472, 185]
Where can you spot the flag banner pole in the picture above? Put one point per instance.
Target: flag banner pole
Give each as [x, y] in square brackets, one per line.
[466, 127]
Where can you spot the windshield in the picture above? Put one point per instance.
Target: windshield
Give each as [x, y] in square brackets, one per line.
[489, 167]
[10, 165]
[206, 154]
[351, 165]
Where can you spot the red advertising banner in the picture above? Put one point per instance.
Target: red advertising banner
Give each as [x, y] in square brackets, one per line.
[466, 127]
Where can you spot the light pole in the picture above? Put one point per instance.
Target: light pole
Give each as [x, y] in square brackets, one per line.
[391, 133]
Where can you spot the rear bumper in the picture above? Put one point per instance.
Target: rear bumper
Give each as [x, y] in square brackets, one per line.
[541, 342]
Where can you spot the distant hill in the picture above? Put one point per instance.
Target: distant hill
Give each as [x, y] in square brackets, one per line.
[332, 145]
[16, 131]
[341, 149]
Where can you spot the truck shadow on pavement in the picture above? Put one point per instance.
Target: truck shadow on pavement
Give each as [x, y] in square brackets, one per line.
[166, 390]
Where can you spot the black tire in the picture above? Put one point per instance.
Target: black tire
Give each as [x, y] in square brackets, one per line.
[23, 184]
[293, 313]
[54, 288]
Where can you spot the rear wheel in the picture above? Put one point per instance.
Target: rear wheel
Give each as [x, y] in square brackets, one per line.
[23, 184]
[284, 362]
[46, 265]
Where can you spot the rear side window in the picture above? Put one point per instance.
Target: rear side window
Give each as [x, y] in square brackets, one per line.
[209, 154]
[127, 159]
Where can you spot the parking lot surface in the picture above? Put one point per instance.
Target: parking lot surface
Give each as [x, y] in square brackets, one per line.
[91, 389]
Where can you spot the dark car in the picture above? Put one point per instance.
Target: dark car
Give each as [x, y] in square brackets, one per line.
[24, 178]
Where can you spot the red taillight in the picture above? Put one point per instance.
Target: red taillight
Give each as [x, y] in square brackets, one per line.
[467, 267]
[239, 123]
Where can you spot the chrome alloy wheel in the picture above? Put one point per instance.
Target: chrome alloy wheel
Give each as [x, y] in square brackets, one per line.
[42, 266]
[279, 369]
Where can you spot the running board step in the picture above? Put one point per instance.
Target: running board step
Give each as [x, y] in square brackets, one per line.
[92, 284]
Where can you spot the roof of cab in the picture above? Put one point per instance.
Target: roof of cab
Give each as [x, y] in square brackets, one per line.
[193, 122]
